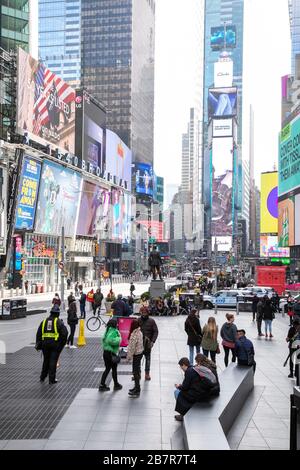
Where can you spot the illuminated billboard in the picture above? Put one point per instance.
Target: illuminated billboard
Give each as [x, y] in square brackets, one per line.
[222, 128]
[289, 157]
[286, 222]
[297, 220]
[269, 203]
[45, 104]
[154, 228]
[269, 248]
[94, 211]
[223, 37]
[28, 194]
[58, 201]
[118, 159]
[222, 102]
[223, 72]
[118, 210]
[145, 179]
[224, 244]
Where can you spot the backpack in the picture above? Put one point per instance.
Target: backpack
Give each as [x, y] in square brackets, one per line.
[208, 378]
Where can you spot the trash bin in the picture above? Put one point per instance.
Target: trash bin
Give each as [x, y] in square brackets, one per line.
[13, 308]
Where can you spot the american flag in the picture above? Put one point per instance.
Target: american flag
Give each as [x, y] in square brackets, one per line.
[45, 80]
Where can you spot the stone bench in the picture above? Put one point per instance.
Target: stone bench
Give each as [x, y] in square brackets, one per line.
[207, 424]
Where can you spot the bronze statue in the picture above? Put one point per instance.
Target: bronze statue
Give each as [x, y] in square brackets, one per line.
[155, 263]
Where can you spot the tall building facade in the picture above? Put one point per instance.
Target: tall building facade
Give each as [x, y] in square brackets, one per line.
[60, 38]
[295, 31]
[14, 24]
[118, 39]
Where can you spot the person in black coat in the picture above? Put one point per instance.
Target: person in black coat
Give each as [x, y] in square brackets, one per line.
[293, 339]
[150, 334]
[193, 330]
[254, 306]
[72, 322]
[268, 315]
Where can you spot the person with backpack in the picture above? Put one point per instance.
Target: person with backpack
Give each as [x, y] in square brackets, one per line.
[193, 330]
[268, 316]
[244, 350]
[111, 347]
[293, 338]
[72, 322]
[82, 303]
[229, 337]
[135, 354]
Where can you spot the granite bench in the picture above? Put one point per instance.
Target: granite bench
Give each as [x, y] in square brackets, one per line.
[206, 424]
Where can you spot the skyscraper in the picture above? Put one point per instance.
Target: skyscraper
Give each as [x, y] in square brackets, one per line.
[60, 37]
[14, 24]
[118, 67]
[295, 31]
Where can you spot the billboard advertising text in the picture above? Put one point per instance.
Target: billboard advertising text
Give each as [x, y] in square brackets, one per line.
[94, 211]
[286, 222]
[289, 158]
[269, 248]
[222, 128]
[58, 202]
[222, 102]
[297, 220]
[46, 105]
[223, 74]
[28, 194]
[222, 187]
[118, 158]
[223, 37]
[269, 203]
[224, 244]
[145, 179]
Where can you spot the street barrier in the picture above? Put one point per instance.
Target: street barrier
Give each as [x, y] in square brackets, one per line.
[81, 339]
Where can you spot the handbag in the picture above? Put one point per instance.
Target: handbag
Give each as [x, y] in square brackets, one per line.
[116, 358]
[228, 344]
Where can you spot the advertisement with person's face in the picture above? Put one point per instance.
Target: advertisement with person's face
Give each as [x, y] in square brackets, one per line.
[117, 207]
[28, 194]
[118, 158]
[286, 222]
[126, 232]
[144, 177]
[222, 187]
[58, 201]
[45, 104]
[222, 102]
[94, 210]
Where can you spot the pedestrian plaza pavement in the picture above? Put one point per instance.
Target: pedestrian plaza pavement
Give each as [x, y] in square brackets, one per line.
[74, 415]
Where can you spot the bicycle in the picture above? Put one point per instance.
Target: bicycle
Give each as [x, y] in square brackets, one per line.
[94, 323]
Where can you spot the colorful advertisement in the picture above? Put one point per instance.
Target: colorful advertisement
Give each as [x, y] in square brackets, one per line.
[222, 188]
[269, 248]
[118, 159]
[297, 220]
[222, 102]
[223, 37]
[289, 157]
[45, 105]
[58, 202]
[28, 194]
[127, 223]
[94, 210]
[155, 229]
[18, 248]
[286, 222]
[269, 203]
[118, 211]
[3, 210]
[145, 179]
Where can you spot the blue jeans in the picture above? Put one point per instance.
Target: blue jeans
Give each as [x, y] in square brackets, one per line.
[192, 357]
[176, 393]
[268, 326]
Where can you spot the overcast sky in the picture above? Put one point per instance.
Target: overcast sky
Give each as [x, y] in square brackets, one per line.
[267, 58]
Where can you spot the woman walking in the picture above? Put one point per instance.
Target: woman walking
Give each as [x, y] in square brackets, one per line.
[268, 316]
[193, 330]
[209, 340]
[111, 345]
[135, 354]
[72, 322]
[229, 337]
[56, 300]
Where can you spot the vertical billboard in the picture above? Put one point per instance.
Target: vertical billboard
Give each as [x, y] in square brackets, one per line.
[118, 159]
[117, 207]
[222, 102]
[286, 222]
[289, 158]
[94, 211]
[45, 104]
[297, 220]
[222, 188]
[269, 203]
[28, 194]
[223, 72]
[3, 210]
[144, 179]
[58, 201]
[127, 223]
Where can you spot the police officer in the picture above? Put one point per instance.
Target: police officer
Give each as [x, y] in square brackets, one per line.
[51, 338]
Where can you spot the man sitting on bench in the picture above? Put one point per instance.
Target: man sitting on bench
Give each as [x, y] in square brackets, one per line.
[245, 350]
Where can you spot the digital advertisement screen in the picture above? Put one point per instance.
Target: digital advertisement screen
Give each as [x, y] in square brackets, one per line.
[222, 102]
[58, 201]
[45, 104]
[126, 231]
[94, 210]
[223, 37]
[154, 228]
[286, 222]
[297, 220]
[223, 73]
[269, 248]
[118, 159]
[222, 187]
[18, 247]
[145, 179]
[118, 210]
[289, 157]
[28, 194]
[269, 203]
[224, 244]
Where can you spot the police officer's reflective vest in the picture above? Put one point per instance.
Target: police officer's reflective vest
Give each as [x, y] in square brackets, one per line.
[51, 332]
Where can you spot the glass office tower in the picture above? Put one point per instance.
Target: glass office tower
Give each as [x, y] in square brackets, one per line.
[118, 67]
[60, 38]
[295, 31]
[14, 24]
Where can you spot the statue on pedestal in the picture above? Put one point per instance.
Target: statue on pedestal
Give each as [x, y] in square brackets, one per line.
[155, 264]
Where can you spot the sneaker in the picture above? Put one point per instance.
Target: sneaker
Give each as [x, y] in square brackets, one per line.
[104, 388]
[118, 387]
[53, 382]
[291, 376]
[67, 346]
[134, 394]
[73, 347]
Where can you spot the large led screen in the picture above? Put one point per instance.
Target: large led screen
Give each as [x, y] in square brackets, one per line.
[269, 203]
[45, 104]
[286, 222]
[94, 211]
[127, 223]
[118, 210]
[58, 202]
[297, 220]
[28, 194]
[118, 159]
[222, 102]
[289, 157]
[223, 37]
[145, 179]
[269, 248]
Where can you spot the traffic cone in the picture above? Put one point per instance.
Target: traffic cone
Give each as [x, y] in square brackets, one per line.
[81, 338]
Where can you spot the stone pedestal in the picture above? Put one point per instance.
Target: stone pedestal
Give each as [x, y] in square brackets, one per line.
[157, 289]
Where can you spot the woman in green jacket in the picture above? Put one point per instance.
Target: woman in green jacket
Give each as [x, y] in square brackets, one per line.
[111, 345]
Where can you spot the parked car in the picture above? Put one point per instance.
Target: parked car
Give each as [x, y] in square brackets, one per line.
[227, 298]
